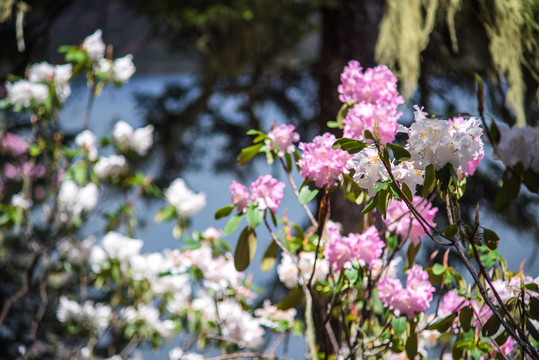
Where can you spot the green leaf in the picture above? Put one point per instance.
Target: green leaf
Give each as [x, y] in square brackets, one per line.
[368, 135]
[494, 133]
[411, 346]
[400, 153]
[380, 186]
[445, 175]
[291, 299]
[270, 256]
[465, 318]
[444, 324]
[413, 249]
[165, 214]
[491, 326]
[307, 193]
[384, 198]
[508, 192]
[534, 308]
[407, 192]
[352, 275]
[233, 223]
[332, 124]
[352, 146]
[533, 331]
[343, 111]
[438, 269]
[245, 249]
[399, 325]
[248, 153]
[531, 179]
[370, 205]
[224, 212]
[491, 239]
[430, 179]
[254, 216]
[451, 231]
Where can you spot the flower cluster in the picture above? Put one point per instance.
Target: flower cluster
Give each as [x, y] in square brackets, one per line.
[319, 162]
[438, 142]
[186, 201]
[73, 200]
[283, 138]
[519, 144]
[266, 191]
[95, 317]
[126, 138]
[374, 93]
[416, 297]
[365, 248]
[298, 270]
[400, 220]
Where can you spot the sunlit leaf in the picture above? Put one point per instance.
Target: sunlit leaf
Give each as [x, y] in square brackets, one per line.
[245, 249]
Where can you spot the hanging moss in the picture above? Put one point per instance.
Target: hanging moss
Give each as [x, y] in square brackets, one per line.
[511, 25]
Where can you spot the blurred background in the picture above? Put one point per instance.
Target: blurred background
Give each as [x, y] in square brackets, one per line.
[207, 71]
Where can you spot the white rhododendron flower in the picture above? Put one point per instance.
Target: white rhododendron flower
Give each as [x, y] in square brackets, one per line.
[110, 166]
[150, 317]
[123, 68]
[88, 315]
[41, 72]
[23, 92]
[186, 201]
[121, 247]
[518, 144]
[271, 316]
[19, 200]
[178, 354]
[139, 140]
[94, 45]
[122, 134]
[369, 168]
[77, 199]
[288, 270]
[87, 140]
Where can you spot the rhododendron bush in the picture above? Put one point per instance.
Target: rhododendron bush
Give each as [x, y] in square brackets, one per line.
[359, 295]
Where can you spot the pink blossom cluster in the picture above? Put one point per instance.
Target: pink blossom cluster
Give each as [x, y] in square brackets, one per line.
[14, 144]
[284, 137]
[450, 303]
[416, 297]
[321, 163]
[399, 219]
[266, 191]
[365, 248]
[376, 99]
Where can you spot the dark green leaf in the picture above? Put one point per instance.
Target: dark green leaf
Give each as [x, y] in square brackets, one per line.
[370, 205]
[534, 308]
[533, 331]
[224, 211]
[248, 153]
[352, 146]
[384, 198]
[451, 231]
[508, 192]
[291, 299]
[245, 249]
[233, 223]
[343, 111]
[368, 135]
[399, 325]
[491, 239]
[494, 133]
[254, 216]
[268, 260]
[413, 249]
[465, 318]
[430, 179]
[531, 179]
[444, 324]
[491, 326]
[400, 153]
[407, 192]
[411, 346]
[307, 192]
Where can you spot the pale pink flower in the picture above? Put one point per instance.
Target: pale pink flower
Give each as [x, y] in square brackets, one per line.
[240, 196]
[15, 144]
[364, 115]
[321, 163]
[283, 136]
[338, 250]
[451, 302]
[399, 219]
[267, 192]
[367, 246]
[416, 297]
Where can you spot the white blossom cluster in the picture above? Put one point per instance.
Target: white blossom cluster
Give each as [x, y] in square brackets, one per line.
[519, 144]
[438, 142]
[118, 70]
[88, 315]
[272, 317]
[35, 90]
[186, 201]
[298, 271]
[110, 166]
[126, 138]
[178, 354]
[114, 246]
[73, 200]
[369, 170]
[149, 317]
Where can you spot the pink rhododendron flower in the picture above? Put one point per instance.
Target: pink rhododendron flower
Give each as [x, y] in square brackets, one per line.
[450, 303]
[15, 144]
[416, 297]
[363, 117]
[283, 136]
[267, 192]
[367, 246]
[399, 219]
[321, 163]
[338, 250]
[240, 196]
